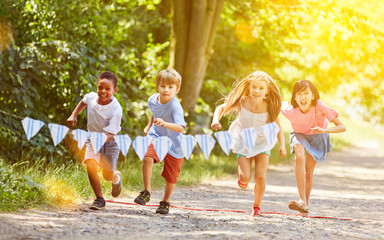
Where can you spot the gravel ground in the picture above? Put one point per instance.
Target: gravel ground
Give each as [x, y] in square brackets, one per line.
[348, 185]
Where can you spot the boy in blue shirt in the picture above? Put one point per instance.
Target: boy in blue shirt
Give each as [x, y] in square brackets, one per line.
[167, 120]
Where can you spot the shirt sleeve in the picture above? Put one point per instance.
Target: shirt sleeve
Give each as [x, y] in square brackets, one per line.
[88, 97]
[328, 112]
[178, 114]
[287, 110]
[114, 121]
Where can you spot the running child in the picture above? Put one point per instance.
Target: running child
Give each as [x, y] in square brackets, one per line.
[309, 117]
[167, 120]
[256, 100]
[104, 116]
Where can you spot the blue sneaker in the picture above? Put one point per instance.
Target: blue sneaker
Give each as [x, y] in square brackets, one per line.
[116, 188]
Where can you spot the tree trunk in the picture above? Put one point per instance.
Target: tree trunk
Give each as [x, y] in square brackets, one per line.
[193, 33]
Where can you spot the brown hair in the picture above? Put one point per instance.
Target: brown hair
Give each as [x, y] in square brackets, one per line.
[168, 76]
[242, 89]
[301, 86]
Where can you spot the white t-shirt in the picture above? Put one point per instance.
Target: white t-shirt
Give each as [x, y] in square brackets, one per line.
[103, 118]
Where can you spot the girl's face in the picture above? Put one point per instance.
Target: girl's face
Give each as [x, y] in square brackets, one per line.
[304, 99]
[105, 91]
[258, 90]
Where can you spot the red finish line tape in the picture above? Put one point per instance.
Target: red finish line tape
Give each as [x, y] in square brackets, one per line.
[240, 211]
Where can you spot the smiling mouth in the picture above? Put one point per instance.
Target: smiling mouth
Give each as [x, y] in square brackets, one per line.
[303, 102]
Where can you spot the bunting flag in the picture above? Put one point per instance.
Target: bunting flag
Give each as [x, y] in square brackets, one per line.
[188, 142]
[124, 142]
[270, 131]
[206, 143]
[249, 136]
[140, 145]
[31, 126]
[162, 146]
[81, 137]
[224, 139]
[97, 140]
[58, 132]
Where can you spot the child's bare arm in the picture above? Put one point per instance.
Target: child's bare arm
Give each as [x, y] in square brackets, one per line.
[216, 117]
[339, 127]
[281, 139]
[72, 120]
[110, 136]
[172, 126]
[150, 122]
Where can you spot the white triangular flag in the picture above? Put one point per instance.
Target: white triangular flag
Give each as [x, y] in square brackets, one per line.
[224, 139]
[249, 136]
[58, 132]
[124, 142]
[162, 146]
[187, 142]
[81, 137]
[31, 126]
[270, 131]
[206, 143]
[97, 140]
[140, 145]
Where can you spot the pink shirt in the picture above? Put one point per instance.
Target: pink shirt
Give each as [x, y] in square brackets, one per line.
[315, 117]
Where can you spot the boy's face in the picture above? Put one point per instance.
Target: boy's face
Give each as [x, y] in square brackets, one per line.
[167, 91]
[105, 91]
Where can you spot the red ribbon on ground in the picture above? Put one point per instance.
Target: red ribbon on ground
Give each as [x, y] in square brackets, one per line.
[240, 211]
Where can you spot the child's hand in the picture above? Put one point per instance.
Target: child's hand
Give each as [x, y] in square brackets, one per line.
[216, 125]
[317, 130]
[159, 122]
[282, 151]
[72, 121]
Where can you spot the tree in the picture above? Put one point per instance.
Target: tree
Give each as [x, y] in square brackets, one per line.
[193, 32]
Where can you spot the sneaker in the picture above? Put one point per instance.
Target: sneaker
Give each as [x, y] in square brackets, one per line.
[298, 206]
[116, 188]
[98, 204]
[163, 208]
[256, 212]
[242, 185]
[143, 197]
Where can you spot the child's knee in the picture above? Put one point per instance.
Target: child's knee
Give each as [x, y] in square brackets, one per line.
[244, 178]
[108, 175]
[260, 177]
[92, 164]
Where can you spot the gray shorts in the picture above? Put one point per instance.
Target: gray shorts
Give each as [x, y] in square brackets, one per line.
[106, 157]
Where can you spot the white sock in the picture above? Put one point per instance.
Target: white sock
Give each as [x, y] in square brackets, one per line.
[118, 178]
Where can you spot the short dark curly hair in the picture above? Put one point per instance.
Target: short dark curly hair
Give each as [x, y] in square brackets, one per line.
[110, 76]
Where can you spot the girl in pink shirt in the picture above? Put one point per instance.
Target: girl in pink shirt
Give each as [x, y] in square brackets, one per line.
[309, 117]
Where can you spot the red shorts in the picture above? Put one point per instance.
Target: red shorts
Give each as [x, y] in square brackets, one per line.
[172, 165]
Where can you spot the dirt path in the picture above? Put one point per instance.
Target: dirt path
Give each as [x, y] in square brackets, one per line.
[349, 184]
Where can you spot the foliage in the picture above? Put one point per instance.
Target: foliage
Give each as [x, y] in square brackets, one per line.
[17, 190]
[58, 50]
[338, 45]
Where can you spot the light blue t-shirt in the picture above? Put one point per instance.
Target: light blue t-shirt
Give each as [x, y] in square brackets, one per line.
[170, 112]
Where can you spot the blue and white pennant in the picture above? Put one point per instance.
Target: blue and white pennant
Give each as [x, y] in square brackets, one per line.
[187, 142]
[140, 145]
[124, 142]
[206, 143]
[224, 139]
[249, 136]
[58, 132]
[31, 126]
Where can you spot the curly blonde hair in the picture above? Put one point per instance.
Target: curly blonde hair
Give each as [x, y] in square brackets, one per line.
[242, 90]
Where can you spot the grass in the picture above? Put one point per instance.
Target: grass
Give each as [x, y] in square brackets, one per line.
[35, 183]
